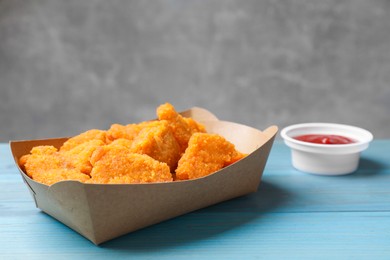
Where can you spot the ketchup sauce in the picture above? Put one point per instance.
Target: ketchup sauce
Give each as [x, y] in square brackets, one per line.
[324, 139]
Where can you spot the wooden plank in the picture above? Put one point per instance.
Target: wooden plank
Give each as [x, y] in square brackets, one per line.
[207, 233]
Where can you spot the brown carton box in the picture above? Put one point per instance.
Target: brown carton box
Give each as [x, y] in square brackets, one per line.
[101, 212]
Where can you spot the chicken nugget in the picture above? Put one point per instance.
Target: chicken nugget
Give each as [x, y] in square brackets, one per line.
[93, 134]
[182, 128]
[206, 153]
[158, 141]
[118, 145]
[118, 131]
[46, 165]
[122, 142]
[80, 155]
[52, 176]
[36, 159]
[116, 164]
[129, 131]
[43, 150]
[195, 127]
[35, 151]
[23, 161]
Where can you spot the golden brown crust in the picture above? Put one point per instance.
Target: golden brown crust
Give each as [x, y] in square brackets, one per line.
[206, 153]
[46, 165]
[80, 155]
[93, 134]
[116, 164]
[182, 129]
[171, 147]
[129, 131]
[52, 176]
[158, 141]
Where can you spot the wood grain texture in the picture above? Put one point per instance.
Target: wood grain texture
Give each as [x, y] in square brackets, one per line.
[293, 215]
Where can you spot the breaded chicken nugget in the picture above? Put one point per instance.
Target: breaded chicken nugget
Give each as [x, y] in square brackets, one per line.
[118, 131]
[118, 145]
[39, 158]
[129, 131]
[48, 166]
[43, 150]
[116, 164]
[93, 134]
[122, 142]
[206, 153]
[182, 128]
[195, 127]
[158, 141]
[150, 151]
[52, 176]
[80, 155]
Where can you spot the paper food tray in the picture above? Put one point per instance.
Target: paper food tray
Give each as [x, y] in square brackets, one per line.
[101, 212]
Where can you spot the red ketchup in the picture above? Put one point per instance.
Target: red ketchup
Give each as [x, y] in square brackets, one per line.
[324, 139]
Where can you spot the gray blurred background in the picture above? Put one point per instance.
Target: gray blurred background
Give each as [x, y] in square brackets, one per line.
[68, 65]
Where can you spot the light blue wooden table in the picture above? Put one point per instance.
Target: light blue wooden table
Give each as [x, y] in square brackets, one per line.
[292, 216]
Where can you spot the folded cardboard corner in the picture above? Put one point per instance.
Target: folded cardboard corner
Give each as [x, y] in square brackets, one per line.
[101, 212]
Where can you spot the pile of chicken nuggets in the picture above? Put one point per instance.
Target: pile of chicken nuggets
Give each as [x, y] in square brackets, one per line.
[170, 148]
